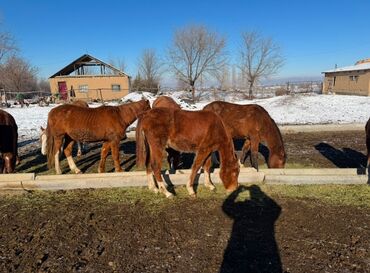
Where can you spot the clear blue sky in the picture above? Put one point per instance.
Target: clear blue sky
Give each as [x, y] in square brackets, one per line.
[314, 35]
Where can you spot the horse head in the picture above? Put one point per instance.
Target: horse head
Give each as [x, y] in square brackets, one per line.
[9, 162]
[43, 140]
[277, 159]
[229, 174]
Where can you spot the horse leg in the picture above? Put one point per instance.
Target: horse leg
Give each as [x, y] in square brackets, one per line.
[79, 149]
[68, 146]
[198, 162]
[156, 165]
[151, 183]
[103, 156]
[254, 152]
[246, 148]
[58, 140]
[115, 155]
[173, 158]
[207, 174]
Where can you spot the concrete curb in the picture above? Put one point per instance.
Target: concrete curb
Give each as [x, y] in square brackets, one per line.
[138, 179]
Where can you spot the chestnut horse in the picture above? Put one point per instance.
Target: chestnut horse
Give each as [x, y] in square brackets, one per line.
[43, 136]
[253, 123]
[104, 123]
[8, 142]
[173, 156]
[367, 131]
[201, 132]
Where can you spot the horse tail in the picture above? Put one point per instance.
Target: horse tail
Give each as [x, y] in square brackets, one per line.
[50, 147]
[141, 146]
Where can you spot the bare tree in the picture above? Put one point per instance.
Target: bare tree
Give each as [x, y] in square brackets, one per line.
[259, 58]
[118, 63]
[150, 69]
[43, 85]
[223, 78]
[196, 51]
[7, 46]
[17, 75]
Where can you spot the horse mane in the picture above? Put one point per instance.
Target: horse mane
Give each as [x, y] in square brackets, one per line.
[129, 112]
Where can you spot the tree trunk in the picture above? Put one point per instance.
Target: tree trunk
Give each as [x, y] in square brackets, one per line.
[193, 92]
[250, 90]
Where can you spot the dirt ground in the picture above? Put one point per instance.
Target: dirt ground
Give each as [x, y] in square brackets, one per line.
[64, 232]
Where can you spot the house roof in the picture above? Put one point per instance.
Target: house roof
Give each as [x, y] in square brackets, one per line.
[361, 66]
[84, 60]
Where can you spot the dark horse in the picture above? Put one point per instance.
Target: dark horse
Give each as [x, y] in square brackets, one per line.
[253, 123]
[173, 156]
[367, 131]
[104, 123]
[201, 132]
[8, 142]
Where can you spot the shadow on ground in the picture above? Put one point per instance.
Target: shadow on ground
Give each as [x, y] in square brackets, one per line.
[252, 246]
[344, 158]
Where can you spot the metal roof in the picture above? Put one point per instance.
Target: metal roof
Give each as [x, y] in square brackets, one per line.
[357, 67]
[83, 60]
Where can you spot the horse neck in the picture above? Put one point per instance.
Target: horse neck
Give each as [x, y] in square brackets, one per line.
[129, 112]
[274, 140]
[226, 152]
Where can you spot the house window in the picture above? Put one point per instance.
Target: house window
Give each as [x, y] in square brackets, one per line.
[116, 87]
[83, 88]
[353, 78]
[334, 80]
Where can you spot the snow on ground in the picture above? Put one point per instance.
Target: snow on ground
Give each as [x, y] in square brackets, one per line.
[285, 110]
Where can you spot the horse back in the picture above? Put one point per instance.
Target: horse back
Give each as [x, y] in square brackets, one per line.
[165, 101]
[85, 124]
[242, 120]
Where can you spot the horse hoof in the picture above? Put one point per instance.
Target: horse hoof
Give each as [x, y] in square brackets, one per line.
[169, 195]
[155, 190]
[78, 171]
[213, 188]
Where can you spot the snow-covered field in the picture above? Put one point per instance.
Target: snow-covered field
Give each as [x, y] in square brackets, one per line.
[285, 110]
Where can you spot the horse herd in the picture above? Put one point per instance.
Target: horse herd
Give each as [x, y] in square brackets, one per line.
[162, 127]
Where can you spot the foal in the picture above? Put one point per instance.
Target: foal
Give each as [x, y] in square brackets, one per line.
[201, 132]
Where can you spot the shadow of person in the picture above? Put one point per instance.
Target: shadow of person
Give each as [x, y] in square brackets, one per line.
[252, 246]
[345, 158]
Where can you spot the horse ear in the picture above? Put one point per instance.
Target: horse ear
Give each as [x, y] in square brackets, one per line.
[42, 128]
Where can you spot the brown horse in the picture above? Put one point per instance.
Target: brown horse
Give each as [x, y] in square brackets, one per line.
[104, 123]
[43, 136]
[367, 131]
[8, 142]
[201, 132]
[252, 122]
[173, 156]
